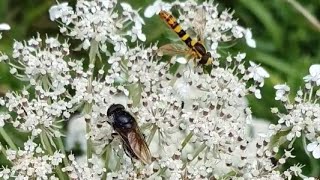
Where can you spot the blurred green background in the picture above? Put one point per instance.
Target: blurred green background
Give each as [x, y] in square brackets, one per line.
[287, 42]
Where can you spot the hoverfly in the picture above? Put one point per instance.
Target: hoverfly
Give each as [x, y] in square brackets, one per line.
[195, 49]
[126, 126]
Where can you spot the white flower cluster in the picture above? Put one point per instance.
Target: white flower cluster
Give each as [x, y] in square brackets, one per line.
[207, 133]
[92, 169]
[42, 64]
[302, 116]
[31, 162]
[100, 21]
[195, 120]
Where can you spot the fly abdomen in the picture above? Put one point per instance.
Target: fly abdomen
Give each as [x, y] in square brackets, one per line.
[206, 59]
[200, 48]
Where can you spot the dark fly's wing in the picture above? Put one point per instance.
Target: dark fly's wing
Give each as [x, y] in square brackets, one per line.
[139, 146]
[135, 144]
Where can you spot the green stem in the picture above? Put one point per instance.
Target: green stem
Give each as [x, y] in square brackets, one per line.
[118, 164]
[8, 140]
[152, 133]
[106, 166]
[46, 144]
[94, 50]
[61, 147]
[89, 144]
[186, 140]
[199, 150]
[311, 18]
[311, 92]
[3, 150]
[163, 170]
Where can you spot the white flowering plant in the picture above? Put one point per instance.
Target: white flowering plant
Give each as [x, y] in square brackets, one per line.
[195, 120]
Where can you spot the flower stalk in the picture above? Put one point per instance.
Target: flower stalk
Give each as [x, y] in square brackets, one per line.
[7, 138]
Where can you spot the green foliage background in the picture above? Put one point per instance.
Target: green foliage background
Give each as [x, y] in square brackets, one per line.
[287, 44]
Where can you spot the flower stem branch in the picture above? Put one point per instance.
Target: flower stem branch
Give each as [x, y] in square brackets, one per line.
[61, 147]
[106, 166]
[199, 150]
[8, 140]
[89, 142]
[152, 133]
[186, 140]
[312, 19]
[46, 144]
[94, 50]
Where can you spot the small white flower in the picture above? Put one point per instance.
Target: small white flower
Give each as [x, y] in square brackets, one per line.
[314, 147]
[240, 56]
[282, 89]
[57, 11]
[156, 7]
[257, 73]
[314, 75]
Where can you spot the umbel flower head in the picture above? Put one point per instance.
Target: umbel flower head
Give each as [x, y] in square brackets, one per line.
[194, 120]
[301, 119]
[99, 20]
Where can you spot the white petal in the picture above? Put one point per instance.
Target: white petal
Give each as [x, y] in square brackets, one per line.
[263, 72]
[149, 12]
[4, 27]
[307, 78]
[86, 44]
[312, 146]
[283, 87]
[250, 41]
[181, 60]
[257, 93]
[314, 70]
[55, 10]
[155, 8]
[126, 7]
[142, 37]
[316, 152]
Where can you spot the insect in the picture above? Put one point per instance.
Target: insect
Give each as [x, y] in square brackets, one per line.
[196, 48]
[126, 126]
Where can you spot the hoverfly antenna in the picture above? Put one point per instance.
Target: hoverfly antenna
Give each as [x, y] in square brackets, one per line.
[113, 108]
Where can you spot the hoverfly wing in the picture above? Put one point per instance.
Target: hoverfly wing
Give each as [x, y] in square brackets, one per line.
[172, 50]
[135, 145]
[200, 24]
[139, 146]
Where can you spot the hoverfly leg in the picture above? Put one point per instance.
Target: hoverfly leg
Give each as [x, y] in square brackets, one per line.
[113, 136]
